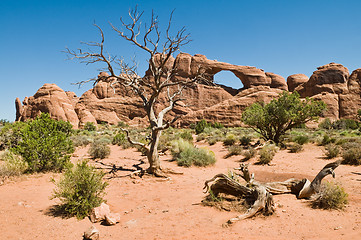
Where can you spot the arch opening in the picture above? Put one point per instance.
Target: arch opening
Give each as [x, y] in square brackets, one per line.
[228, 79]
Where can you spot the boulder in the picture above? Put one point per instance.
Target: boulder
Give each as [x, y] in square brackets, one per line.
[98, 214]
[91, 234]
[277, 81]
[112, 218]
[296, 80]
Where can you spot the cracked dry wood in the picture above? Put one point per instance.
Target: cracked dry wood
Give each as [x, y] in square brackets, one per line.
[259, 195]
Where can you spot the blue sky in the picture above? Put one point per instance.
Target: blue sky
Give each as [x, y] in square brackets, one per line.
[284, 37]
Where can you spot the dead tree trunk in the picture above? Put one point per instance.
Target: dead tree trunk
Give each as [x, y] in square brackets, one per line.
[259, 195]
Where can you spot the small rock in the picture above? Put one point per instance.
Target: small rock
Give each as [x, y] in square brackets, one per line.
[91, 234]
[112, 218]
[98, 214]
[283, 210]
[337, 228]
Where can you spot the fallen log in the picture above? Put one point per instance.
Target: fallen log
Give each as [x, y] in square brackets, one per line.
[259, 195]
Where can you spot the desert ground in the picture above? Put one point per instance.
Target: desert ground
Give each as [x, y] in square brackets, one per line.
[154, 208]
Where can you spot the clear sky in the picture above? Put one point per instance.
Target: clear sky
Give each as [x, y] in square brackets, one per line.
[280, 36]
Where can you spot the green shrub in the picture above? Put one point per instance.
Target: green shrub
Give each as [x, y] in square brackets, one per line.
[10, 135]
[13, 165]
[301, 139]
[229, 140]
[45, 144]
[330, 196]
[212, 140]
[200, 126]
[80, 140]
[345, 124]
[295, 148]
[266, 154]
[99, 149]
[80, 189]
[119, 139]
[352, 156]
[332, 150]
[245, 140]
[217, 125]
[200, 137]
[234, 150]
[325, 124]
[327, 140]
[122, 124]
[89, 126]
[186, 135]
[187, 155]
[249, 153]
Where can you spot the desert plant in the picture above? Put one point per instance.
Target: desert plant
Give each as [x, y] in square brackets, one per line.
[212, 140]
[272, 120]
[187, 155]
[352, 155]
[13, 165]
[266, 154]
[10, 135]
[89, 126]
[249, 153]
[332, 150]
[80, 189]
[345, 124]
[229, 140]
[119, 139]
[327, 140]
[301, 139]
[45, 144]
[325, 124]
[186, 135]
[295, 148]
[200, 126]
[80, 140]
[330, 196]
[234, 150]
[200, 137]
[245, 140]
[99, 149]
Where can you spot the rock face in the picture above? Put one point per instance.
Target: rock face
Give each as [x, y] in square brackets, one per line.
[216, 103]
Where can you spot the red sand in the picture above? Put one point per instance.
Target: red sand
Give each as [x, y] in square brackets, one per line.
[153, 208]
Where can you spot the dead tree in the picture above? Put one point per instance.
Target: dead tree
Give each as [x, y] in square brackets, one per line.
[160, 79]
[259, 195]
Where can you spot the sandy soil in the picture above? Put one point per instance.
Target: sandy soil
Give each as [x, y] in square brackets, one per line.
[154, 208]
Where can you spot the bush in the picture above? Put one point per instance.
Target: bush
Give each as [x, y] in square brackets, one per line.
[245, 140]
[327, 140]
[99, 149]
[45, 144]
[119, 139]
[80, 189]
[186, 135]
[345, 124]
[200, 126]
[325, 124]
[187, 155]
[266, 154]
[295, 148]
[89, 126]
[10, 135]
[13, 165]
[249, 153]
[212, 140]
[234, 150]
[301, 139]
[330, 196]
[229, 140]
[200, 137]
[332, 150]
[80, 140]
[352, 156]
[217, 125]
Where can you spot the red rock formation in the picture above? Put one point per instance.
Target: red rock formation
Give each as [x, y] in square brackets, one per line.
[296, 80]
[113, 103]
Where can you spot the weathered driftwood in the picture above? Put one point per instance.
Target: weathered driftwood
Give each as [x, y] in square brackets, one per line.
[259, 195]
